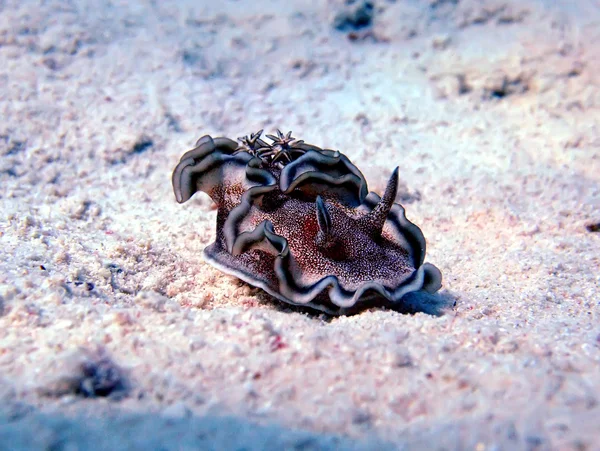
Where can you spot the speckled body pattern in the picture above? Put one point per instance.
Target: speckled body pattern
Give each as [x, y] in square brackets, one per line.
[298, 221]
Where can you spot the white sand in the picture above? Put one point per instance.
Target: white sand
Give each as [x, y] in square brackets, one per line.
[492, 111]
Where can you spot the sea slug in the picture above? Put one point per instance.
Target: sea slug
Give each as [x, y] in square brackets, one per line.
[298, 221]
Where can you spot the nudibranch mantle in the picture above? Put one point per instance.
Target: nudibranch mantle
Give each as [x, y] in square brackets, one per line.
[298, 221]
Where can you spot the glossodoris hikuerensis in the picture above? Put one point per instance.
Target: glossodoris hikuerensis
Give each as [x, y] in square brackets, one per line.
[298, 222]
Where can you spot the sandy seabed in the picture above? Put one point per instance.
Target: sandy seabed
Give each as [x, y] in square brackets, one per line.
[114, 333]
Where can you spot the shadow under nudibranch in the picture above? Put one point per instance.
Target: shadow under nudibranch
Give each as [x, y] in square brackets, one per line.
[437, 304]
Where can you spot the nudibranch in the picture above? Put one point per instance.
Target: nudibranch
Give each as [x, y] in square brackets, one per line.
[298, 221]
